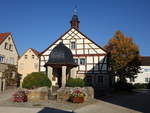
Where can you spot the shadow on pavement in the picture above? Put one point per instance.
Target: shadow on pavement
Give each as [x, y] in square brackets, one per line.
[139, 101]
[53, 110]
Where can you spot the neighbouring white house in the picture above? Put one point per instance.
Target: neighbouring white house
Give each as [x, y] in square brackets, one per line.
[91, 59]
[28, 63]
[144, 75]
[8, 55]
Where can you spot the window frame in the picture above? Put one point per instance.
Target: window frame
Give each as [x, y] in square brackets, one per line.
[26, 57]
[73, 45]
[10, 47]
[33, 56]
[76, 60]
[84, 61]
[147, 79]
[2, 59]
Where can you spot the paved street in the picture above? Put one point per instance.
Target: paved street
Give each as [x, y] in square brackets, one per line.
[104, 107]
[139, 101]
[31, 110]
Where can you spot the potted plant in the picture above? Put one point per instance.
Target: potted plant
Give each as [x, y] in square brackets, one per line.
[77, 96]
[19, 96]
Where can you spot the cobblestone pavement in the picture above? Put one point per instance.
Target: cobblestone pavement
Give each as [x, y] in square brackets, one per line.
[100, 107]
[114, 104]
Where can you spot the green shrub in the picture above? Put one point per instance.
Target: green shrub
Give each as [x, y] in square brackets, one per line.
[35, 80]
[140, 86]
[123, 86]
[75, 82]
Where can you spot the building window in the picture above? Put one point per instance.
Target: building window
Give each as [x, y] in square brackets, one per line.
[73, 45]
[147, 80]
[1, 59]
[146, 70]
[11, 60]
[100, 79]
[9, 39]
[32, 56]
[82, 61]
[6, 46]
[26, 57]
[10, 47]
[76, 60]
[132, 80]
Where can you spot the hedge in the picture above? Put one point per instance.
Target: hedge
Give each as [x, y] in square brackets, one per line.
[35, 80]
[75, 82]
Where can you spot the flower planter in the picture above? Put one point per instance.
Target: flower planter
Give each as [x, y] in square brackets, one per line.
[19, 96]
[77, 99]
[20, 99]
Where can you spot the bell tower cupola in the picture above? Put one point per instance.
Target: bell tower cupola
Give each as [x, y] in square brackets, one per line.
[75, 21]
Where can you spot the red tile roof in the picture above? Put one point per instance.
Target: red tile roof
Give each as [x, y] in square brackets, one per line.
[3, 36]
[35, 51]
[145, 60]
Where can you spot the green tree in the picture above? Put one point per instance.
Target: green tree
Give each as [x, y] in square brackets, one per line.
[8, 75]
[124, 56]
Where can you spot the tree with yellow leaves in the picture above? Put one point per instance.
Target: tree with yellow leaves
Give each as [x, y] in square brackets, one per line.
[124, 56]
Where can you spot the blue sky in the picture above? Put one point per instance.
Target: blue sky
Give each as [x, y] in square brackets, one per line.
[38, 23]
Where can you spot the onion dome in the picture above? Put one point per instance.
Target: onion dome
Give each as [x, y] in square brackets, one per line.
[61, 56]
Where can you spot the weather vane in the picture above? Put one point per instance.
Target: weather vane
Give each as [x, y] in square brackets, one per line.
[75, 10]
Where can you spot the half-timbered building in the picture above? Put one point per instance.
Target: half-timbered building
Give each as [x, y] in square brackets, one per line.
[90, 57]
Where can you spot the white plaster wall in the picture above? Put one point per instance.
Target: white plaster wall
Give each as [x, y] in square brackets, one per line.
[42, 69]
[80, 46]
[80, 41]
[89, 59]
[142, 75]
[96, 59]
[79, 51]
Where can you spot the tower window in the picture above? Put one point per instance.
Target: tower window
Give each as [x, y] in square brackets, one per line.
[73, 45]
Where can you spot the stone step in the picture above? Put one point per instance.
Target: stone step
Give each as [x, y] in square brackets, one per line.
[52, 97]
